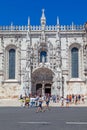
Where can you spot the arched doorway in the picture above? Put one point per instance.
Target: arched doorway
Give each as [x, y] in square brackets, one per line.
[42, 81]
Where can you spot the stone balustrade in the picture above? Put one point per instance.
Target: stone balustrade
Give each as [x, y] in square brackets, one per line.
[47, 28]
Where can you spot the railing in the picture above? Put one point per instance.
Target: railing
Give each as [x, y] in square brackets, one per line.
[47, 28]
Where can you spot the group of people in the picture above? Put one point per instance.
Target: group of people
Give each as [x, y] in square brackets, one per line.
[42, 99]
[69, 99]
[39, 100]
[74, 99]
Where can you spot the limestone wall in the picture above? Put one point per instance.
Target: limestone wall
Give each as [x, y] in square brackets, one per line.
[9, 90]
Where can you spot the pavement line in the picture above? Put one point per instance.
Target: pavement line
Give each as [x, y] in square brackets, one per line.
[76, 123]
[34, 122]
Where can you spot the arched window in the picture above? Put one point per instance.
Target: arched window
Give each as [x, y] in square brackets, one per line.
[11, 64]
[43, 56]
[74, 59]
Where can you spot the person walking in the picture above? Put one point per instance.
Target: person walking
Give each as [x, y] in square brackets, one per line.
[39, 109]
[47, 100]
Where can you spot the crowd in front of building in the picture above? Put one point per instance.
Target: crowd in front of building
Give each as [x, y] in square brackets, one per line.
[43, 102]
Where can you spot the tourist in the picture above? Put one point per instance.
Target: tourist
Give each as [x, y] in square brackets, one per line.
[40, 101]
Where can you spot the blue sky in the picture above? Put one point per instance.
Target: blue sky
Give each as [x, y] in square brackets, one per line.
[17, 11]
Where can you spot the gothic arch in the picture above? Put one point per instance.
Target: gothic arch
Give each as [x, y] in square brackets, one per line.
[10, 46]
[36, 69]
[77, 45]
[42, 76]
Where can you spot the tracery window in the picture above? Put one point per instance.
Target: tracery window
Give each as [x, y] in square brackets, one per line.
[43, 56]
[74, 60]
[11, 64]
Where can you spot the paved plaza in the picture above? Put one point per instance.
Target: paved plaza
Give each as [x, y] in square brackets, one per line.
[17, 103]
[58, 118]
[15, 117]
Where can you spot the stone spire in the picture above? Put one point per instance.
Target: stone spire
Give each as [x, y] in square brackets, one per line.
[11, 26]
[57, 20]
[58, 24]
[43, 19]
[27, 74]
[43, 24]
[72, 25]
[28, 32]
[58, 43]
[28, 23]
[58, 30]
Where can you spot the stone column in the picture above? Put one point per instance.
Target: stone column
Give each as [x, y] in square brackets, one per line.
[30, 84]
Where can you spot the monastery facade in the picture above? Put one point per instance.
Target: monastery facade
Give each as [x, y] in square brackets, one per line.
[43, 59]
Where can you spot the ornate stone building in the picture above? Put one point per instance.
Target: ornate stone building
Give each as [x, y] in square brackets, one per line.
[43, 59]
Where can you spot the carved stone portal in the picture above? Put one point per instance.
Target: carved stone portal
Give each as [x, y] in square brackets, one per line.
[42, 79]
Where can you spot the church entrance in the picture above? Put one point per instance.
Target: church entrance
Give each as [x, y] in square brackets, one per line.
[48, 89]
[42, 81]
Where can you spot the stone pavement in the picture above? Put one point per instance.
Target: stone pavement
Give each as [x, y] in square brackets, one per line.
[17, 103]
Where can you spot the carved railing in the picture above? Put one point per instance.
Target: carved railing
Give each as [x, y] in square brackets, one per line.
[47, 28]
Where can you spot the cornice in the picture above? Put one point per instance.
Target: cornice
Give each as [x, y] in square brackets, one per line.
[10, 34]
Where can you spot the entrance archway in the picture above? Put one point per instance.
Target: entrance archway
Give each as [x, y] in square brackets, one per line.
[42, 81]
